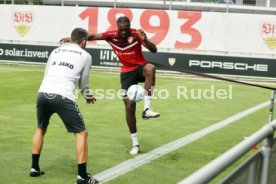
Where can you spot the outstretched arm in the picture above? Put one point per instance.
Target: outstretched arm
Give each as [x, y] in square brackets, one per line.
[95, 37]
[90, 38]
[84, 82]
[148, 44]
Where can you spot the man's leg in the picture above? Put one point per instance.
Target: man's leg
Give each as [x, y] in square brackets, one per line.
[149, 74]
[130, 109]
[36, 150]
[43, 112]
[82, 150]
[74, 123]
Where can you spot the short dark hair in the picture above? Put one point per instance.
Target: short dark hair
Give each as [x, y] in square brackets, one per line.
[123, 19]
[78, 35]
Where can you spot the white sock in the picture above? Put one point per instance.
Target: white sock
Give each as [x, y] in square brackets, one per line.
[147, 100]
[134, 138]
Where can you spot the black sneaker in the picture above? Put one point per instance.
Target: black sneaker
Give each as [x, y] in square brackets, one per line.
[89, 180]
[147, 113]
[35, 173]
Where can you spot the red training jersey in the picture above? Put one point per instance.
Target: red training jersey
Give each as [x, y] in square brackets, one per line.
[128, 51]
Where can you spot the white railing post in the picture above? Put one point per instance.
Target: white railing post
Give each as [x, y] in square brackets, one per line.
[227, 6]
[267, 146]
[271, 107]
[252, 173]
[266, 164]
[267, 3]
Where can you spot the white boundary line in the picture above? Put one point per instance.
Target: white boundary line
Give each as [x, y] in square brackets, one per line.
[143, 159]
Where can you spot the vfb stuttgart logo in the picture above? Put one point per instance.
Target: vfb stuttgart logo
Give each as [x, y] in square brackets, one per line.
[268, 30]
[22, 21]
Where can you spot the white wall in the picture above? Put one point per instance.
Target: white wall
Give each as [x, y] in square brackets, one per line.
[197, 31]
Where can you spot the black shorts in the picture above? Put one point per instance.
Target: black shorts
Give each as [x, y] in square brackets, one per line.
[132, 77]
[64, 107]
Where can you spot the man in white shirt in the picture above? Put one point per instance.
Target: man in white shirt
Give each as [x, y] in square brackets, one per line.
[67, 67]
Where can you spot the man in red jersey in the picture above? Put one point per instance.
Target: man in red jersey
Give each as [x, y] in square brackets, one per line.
[126, 43]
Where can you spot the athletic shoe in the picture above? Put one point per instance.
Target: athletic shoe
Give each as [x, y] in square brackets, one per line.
[147, 113]
[89, 180]
[135, 150]
[35, 173]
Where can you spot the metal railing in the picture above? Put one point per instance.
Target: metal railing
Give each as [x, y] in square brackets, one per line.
[217, 166]
[211, 170]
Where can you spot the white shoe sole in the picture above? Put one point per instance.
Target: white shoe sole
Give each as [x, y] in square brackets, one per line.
[135, 150]
[148, 117]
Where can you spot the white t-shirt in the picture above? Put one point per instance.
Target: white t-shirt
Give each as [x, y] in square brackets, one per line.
[67, 68]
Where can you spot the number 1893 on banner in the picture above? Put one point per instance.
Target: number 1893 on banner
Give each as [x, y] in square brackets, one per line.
[163, 28]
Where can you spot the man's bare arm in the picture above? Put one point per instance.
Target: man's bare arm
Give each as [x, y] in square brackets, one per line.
[146, 43]
[150, 46]
[90, 38]
[95, 37]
